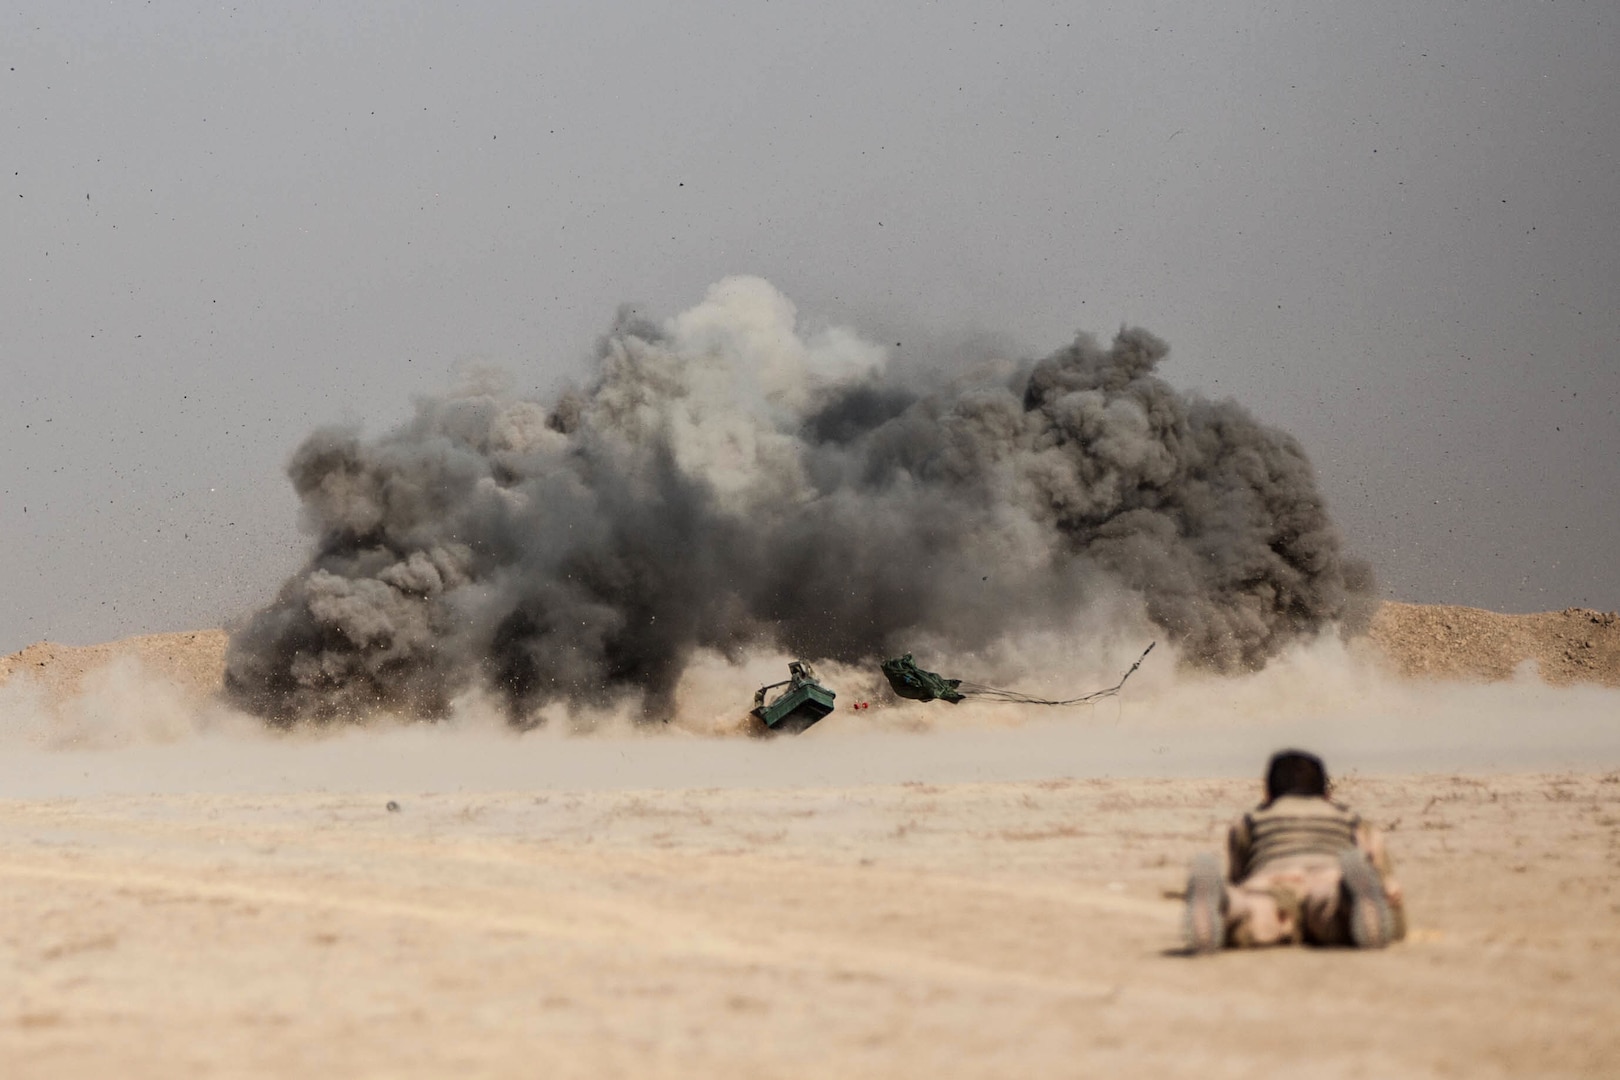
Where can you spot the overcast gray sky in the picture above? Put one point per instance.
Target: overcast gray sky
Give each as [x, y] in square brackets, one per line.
[1391, 228]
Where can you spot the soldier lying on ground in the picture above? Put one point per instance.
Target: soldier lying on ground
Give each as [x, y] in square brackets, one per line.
[1301, 869]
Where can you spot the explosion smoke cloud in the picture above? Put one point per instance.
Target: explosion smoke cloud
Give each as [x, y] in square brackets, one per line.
[730, 481]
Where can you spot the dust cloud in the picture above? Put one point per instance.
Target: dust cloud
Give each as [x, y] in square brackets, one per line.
[734, 484]
[132, 731]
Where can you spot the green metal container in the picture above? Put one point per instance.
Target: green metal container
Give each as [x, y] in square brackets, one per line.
[797, 709]
[803, 702]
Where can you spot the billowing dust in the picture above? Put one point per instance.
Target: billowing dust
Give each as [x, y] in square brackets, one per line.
[147, 715]
[732, 479]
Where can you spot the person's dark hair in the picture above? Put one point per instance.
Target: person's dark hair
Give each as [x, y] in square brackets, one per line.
[1294, 772]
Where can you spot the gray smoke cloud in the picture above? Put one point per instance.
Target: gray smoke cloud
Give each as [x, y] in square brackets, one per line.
[731, 481]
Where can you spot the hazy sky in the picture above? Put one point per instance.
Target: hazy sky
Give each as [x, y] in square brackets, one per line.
[1391, 228]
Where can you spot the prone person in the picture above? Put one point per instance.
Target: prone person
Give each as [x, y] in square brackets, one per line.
[1301, 868]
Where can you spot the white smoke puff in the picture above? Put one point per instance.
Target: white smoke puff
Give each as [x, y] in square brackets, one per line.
[725, 387]
[752, 330]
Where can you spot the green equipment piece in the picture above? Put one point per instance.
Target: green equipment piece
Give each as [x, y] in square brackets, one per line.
[803, 702]
[910, 681]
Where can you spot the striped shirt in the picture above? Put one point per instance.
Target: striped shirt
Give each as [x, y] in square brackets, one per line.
[1291, 827]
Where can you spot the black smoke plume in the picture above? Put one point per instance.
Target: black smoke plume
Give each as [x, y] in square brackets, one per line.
[729, 482]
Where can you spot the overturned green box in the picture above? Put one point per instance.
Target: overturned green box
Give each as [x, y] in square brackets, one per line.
[803, 702]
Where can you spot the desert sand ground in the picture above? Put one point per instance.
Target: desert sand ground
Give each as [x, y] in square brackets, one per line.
[985, 900]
